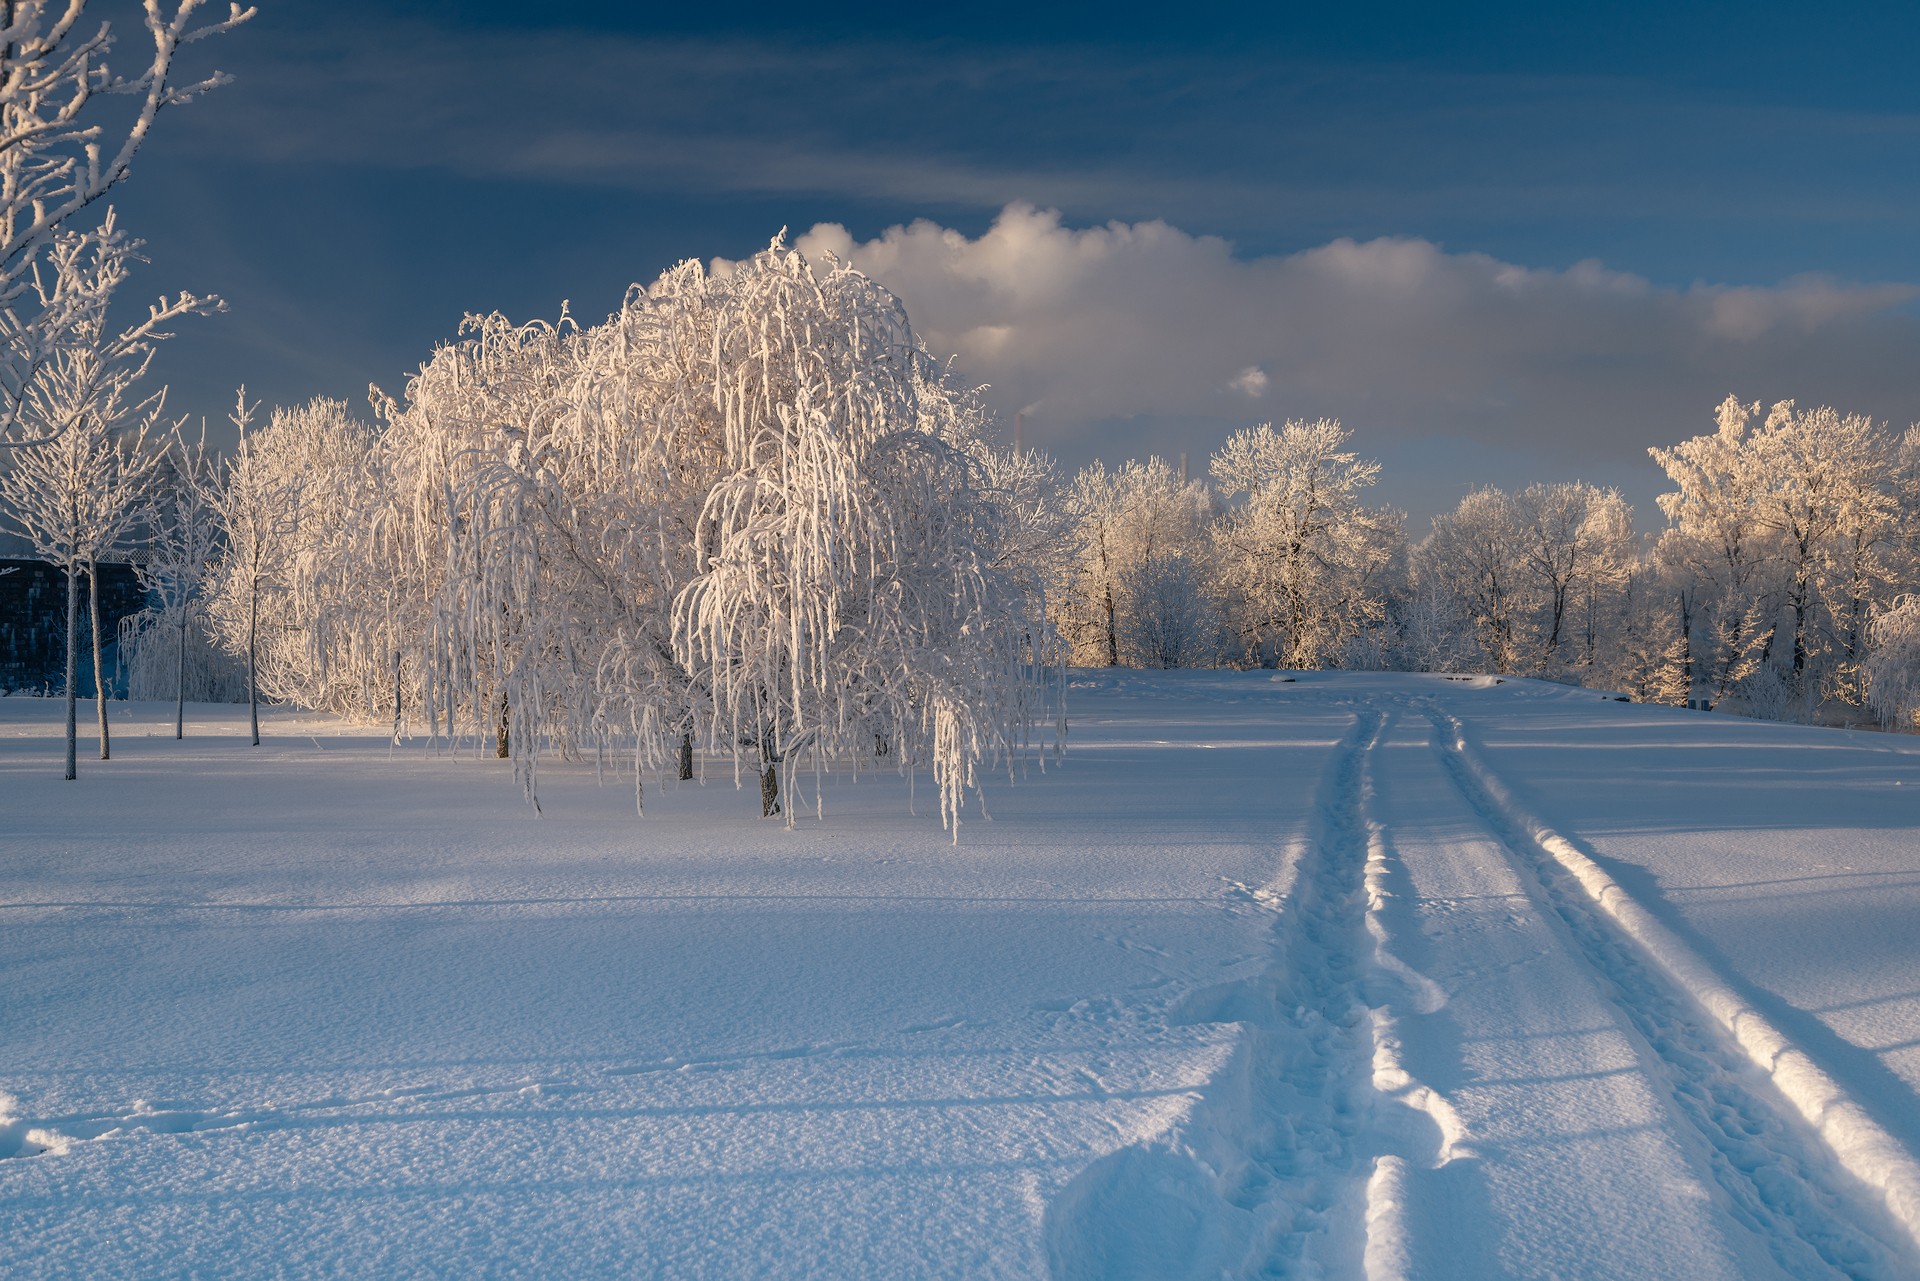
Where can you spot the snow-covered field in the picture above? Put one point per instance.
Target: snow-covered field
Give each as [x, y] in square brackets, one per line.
[1348, 976]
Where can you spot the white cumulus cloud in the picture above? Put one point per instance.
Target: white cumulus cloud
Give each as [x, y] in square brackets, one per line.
[1136, 337]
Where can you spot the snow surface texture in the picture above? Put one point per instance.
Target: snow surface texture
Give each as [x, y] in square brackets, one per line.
[1335, 976]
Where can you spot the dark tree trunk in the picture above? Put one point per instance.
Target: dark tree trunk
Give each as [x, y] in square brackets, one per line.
[502, 737]
[1113, 639]
[180, 681]
[73, 669]
[769, 791]
[99, 670]
[253, 661]
[686, 756]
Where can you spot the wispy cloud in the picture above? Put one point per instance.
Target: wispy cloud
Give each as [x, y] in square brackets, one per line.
[1211, 141]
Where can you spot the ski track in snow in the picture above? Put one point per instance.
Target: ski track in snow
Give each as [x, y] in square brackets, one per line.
[1782, 1182]
[1292, 1167]
[1297, 1163]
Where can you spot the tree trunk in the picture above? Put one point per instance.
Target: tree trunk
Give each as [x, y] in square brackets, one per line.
[1559, 614]
[180, 681]
[502, 739]
[1106, 574]
[396, 695]
[253, 660]
[1113, 639]
[1686, 652]
[99, 672]
[1723, 683]
[73, 668]
[769, 791]
[686, 756]
[1801, 592]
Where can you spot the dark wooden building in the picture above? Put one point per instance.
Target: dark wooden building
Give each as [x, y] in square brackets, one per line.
[33, 624]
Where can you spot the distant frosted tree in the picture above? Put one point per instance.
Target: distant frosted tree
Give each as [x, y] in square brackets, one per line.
[1540, 576]
[1785, 529]
[1576, 550]
[1302, 555]
[1034, 531]
[1831, 499]
[1647, 650]
[1432, 630]
[258, 509]
[1125, 518]
[1172, 620]
[183, 542]
[1819, 469]
[1892, 666]
[1719, 557]
[323, 640]
[1473, 558]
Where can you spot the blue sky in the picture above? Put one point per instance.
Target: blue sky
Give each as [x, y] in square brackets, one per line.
[1573, 231]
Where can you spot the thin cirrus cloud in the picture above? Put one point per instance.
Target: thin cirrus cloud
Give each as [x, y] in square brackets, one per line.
[1251, 144]
[1126, 337]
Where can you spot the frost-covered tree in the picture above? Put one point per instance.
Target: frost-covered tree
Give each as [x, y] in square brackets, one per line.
[1715, 553]
[79, 486]
[1576, 551]
[1125, 518]
[1539, 575]
[1430, 626]
[748, 511]
[1302, 556]
[75, 496]
[1172, 620]
[1035, 534]
[845, 591]
[258, 507]
[1784, 531]
[563, 471]
[1892, 667]
[1473, 560]
[183, 542]
[323, 640]
[69, 128]
[1817, 469]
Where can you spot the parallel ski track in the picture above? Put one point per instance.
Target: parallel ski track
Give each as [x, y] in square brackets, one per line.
[1317, 1107]
[1318, 1095]
[1782, 1181]
[1306, 1140]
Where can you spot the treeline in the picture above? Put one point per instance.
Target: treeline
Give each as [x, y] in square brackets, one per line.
[1778, 587]
[749, 518]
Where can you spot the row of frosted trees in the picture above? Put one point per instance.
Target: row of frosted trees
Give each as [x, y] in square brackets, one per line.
[1778, 587]
[748, 517]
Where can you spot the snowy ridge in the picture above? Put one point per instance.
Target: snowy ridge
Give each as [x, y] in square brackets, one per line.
[1812, 1206]
[1295, 1161]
